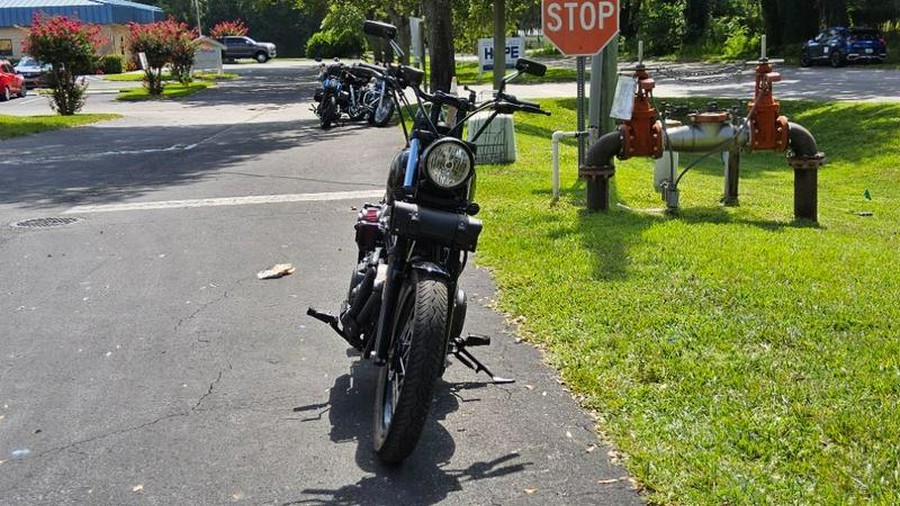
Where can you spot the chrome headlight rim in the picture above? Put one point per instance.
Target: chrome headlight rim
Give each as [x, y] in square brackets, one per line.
[448, 143]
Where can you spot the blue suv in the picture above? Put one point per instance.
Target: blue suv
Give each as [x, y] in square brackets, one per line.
[839, 46]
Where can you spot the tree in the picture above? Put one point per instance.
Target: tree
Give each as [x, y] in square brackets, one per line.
[439, 27]
[162, 43]
[70, 47]
[225, 28]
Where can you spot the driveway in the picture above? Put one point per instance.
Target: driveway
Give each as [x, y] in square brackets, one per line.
[141, 361]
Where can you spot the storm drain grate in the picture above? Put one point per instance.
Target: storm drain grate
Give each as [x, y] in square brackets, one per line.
[46, 222]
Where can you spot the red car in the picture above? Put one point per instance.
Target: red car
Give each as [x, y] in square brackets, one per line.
[10, 82]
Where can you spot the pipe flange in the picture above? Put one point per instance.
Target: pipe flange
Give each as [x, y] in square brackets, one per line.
[588, 171]
[807, 162]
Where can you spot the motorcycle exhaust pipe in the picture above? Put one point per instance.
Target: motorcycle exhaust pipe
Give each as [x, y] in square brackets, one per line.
[363, 292]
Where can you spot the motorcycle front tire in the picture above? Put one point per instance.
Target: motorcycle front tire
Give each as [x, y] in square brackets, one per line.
[382, 115]
[329, 111]
[402, 401]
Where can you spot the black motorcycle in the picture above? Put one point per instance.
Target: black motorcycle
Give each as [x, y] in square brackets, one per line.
[341, 92]
[378, 101]
[404, 309]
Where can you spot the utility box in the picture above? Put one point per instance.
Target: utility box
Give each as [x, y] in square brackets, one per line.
[209, 55]
[497, 143]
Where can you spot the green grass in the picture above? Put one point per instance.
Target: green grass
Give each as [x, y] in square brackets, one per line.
[172, 90]
[467, 73]
[733, 355]
[138, 76]
[17, 126]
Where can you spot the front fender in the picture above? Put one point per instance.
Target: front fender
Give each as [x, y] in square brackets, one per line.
[431, 268]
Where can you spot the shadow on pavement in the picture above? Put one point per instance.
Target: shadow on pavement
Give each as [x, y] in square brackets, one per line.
[111, 164]
[424, 478]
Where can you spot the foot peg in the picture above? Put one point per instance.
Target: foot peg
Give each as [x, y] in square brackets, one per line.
[458, 348]
[476, 340]
[334, 323]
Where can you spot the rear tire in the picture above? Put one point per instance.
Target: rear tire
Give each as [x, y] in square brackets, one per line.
[406, 383]
[805, 60]
[23, 91]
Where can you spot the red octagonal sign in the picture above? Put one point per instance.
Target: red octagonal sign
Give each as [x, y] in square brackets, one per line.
[580, 27]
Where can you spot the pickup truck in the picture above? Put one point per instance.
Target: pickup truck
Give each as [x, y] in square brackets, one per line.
[245, 47]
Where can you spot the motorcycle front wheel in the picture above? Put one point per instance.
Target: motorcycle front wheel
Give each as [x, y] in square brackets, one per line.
[406, 383]
[329, 112]
[383, 113]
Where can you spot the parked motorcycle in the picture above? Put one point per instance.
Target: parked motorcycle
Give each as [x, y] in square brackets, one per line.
[378, 102]
[341, 92]
[404, 310]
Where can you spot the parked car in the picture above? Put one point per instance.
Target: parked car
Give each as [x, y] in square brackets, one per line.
[245, 47]
[32, 70]
[839, 46]
[11, 84]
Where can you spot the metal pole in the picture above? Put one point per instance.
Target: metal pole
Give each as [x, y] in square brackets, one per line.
[594, 104]
[597, 186]
[579, 106]
[499, 42]
[197, 8]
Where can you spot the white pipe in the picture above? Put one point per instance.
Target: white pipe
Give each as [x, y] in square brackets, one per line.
[557, 136]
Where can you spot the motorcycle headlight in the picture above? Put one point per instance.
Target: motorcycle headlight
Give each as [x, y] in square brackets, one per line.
[448, 163]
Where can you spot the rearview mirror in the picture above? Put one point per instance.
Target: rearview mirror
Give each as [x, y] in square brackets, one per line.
[380, 30]
[531, 67]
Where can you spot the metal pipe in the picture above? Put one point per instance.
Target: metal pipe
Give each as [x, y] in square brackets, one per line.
[603, 151]
[802, 143]
[558, 136]
[704, 137]
[806, 159]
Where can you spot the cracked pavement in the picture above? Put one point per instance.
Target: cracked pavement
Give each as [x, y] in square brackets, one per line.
[142, 362]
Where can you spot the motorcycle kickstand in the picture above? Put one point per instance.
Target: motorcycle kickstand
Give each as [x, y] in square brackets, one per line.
[334, 323]
[458, 348]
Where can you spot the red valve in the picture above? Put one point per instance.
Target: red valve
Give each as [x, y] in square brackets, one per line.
[643, 133]
[768, 129]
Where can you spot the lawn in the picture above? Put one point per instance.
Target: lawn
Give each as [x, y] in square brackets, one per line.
[171, 90]
[733, 356]
[16, 126]
[467, 73]
[138, 76]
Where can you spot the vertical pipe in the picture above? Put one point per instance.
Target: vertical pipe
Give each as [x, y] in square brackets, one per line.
[598, 193]
[806, 200]
[732, 174]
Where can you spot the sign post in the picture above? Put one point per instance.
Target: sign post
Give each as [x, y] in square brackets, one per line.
[584, 28]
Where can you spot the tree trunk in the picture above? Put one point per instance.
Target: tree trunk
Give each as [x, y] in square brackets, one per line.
[772, 21]
[403, 35]
[440, 43]
[696, 14]
[833, 12]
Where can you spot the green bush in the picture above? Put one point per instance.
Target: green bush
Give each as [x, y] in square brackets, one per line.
[326, 45]
[112, 64]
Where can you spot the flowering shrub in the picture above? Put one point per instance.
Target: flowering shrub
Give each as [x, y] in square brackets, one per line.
[225, 28]
[70, 47]
[163, 42]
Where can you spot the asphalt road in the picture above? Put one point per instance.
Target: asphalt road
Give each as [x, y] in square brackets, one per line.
[142, 362]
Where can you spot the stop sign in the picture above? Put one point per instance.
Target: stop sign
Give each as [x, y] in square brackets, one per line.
[580, 27]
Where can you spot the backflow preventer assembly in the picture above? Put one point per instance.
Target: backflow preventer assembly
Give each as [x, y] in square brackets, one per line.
[712, 131]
